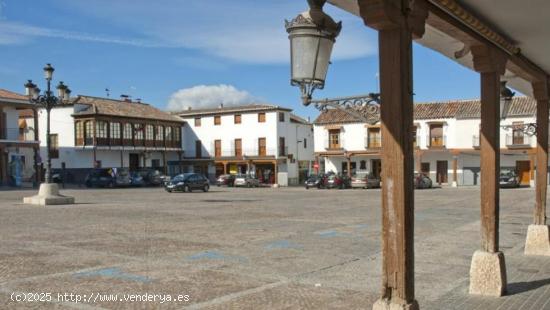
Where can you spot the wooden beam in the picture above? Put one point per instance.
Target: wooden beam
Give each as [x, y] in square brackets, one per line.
[490, 63]
[540, 90]
[397, 22]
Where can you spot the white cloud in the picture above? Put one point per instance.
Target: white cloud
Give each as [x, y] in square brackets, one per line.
[18, 33]
[208, 96]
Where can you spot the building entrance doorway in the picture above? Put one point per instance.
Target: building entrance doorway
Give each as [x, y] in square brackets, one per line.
[376, 165]
[134, 161]
[523, 168]
[442, 171]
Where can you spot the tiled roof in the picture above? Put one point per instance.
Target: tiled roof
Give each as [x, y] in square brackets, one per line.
[11, 95]
[460, 109]
[112, 107]
[231, 109]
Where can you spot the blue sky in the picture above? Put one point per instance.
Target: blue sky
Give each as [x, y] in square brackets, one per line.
[173, 53]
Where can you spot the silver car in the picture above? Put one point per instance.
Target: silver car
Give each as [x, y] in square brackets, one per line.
[246, 180]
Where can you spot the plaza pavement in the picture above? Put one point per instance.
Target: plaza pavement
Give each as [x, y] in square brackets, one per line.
[286, 248]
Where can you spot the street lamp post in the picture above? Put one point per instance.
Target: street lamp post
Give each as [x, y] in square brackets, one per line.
[49, 192]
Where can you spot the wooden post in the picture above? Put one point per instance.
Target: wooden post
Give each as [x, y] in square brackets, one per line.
[418, 163]
[488, 269]
[540, 91]
[349, 166]
[224, 167]
[396, 27]
[455, 168]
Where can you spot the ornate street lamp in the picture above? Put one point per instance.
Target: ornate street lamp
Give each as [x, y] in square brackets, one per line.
[48, 101]
[312, 35]
[49, 192]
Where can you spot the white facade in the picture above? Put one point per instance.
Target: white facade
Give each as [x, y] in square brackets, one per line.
[459, 138]
[288, 141]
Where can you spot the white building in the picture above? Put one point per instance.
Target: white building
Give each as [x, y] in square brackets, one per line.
[97, 132]
[446, 141]
[265, 140]
[18, 143]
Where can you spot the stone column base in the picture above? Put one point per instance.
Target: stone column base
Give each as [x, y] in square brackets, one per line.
[387, 304]
[488, 274]
[48, 194]
[538, 240]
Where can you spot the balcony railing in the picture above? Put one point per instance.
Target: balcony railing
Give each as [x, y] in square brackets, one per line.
[373, 142]
[518, 141]
[89, 141]
[330, 145]
[436, 141]
[16, 134]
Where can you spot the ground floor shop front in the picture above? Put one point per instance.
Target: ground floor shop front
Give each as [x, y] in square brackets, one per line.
[444, 167]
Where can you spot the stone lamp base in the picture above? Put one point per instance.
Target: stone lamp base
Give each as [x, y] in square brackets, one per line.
[538, 240]
[488, 274]
[48, 194]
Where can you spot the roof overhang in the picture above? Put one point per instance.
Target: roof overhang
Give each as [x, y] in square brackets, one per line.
[453, 26]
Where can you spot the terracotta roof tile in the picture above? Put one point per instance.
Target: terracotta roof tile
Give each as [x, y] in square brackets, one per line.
[460, 109]
[11, 95]
[105, 106]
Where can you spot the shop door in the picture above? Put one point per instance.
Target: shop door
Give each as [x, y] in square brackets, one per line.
[442, 170]
[376, 165]
[523, 168]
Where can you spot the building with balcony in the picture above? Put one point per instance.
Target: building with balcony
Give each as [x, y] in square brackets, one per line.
[18, 140]
[98, 132]
[446, 140]
[264, 140]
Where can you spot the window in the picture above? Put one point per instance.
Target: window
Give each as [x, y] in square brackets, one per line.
[101, 129]
[436, 135]
[197, 121]
[334, 139]
[261, 117]
[54, 146]
[198, 149]
[261, 147]
[374, 137]
[281, 117]
[89, 132]
[138, 132]
[168, 134]
[517, 133]
[217, 120]
[177, 134]
[114, 133]
[305, 143]
[128, 131]
[149, 132]
[79, 132]
[218, 148]
[238, 147]
[237, 119]
[282, 149]
[160, 133]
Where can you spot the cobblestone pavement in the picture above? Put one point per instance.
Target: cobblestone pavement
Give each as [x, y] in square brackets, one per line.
[261, 248]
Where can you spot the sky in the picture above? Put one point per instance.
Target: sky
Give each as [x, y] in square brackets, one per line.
[199, 53]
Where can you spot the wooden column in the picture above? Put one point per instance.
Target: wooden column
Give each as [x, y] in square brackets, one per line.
[490, 64]
[540, 91]
[455, 168]
[395, 33]
[224, 167]
[418, 164]
[164, 163]
[532, 159]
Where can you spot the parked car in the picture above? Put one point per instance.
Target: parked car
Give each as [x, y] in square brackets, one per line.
[188, 182]
[333, 180]
[136, 179]
[508, 178]
[314, 181]
[246, 180]
[226, 179]
[152, 177]
[363, 179]
[108, 177]
[422, 181]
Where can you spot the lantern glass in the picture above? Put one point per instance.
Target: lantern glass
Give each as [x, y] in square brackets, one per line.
[310, 53]
[67, 95]
[48, 72]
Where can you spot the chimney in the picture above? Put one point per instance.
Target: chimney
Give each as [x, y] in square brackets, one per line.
[220, 106]
[138, 100]
[189, 108]
[125, 98]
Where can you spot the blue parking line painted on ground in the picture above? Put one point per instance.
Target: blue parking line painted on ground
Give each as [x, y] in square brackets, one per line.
[215, 255]
[282, 244]
[115, 273]
[331, 234]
